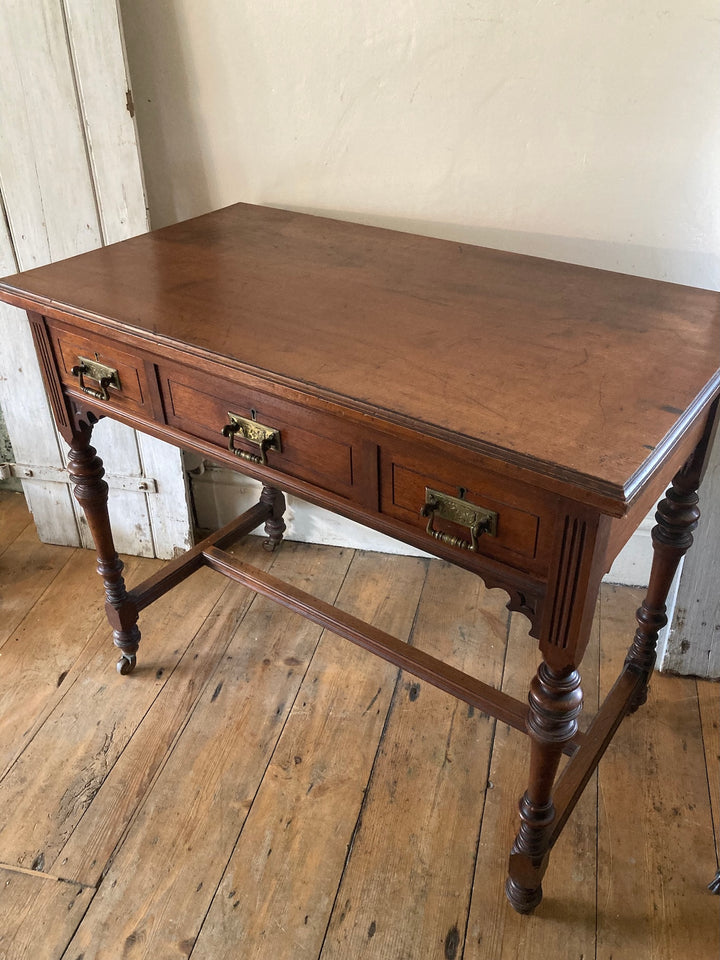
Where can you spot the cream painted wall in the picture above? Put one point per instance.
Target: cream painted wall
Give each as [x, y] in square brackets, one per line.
[584, 130]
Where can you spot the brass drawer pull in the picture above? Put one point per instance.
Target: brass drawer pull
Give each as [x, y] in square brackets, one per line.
[456, 510]
[104, 376]
[266, 438]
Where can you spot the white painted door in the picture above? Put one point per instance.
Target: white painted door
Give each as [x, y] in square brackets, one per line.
[71, 180]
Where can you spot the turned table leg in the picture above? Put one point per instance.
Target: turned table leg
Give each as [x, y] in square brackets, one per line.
[555, 698]
[91, 491]
[274, 525]
[555, 704]
[677, 516]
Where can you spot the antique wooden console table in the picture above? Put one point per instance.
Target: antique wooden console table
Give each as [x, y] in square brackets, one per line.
[515, 416]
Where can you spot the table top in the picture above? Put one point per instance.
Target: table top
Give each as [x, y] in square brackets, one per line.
[573, 372]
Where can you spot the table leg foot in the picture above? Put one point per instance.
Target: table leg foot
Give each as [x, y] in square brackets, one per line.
[522, 899]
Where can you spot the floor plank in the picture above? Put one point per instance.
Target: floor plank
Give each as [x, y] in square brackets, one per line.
[655, 831]
[27, 568]
[14, 518]
[186, 829]
[49, 789]
[48, 648]
[709, 703]
[85, 855]
[38, 915]
[414, 853]
[280, 884]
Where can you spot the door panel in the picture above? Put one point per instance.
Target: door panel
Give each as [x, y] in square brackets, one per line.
[70, 179]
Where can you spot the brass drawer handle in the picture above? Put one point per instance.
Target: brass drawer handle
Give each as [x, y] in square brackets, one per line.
[267, 438]
[104, 376]
[457, 510]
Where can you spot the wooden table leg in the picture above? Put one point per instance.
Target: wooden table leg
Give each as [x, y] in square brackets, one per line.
[555, 696]
[274, 525]
[677, 516]
[555, 705]
[86, 472]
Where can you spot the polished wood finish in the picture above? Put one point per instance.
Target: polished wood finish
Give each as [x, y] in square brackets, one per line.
[386, 363]
[347, 310]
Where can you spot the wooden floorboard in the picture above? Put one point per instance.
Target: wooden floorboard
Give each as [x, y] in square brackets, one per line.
[14, 517]
[709, 703]
[48, 649]
[27, 567]
[38, 914]
[261, 789]
[190, 820]
[413, 855]
[283, 874]
[655, 849]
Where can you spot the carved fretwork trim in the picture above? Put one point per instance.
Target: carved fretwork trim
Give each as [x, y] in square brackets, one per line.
[521, 602]
[83, 418]
[527, 603]
[571, 553]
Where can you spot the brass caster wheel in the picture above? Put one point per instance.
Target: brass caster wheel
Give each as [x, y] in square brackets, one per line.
[271, 545]
[126, 663]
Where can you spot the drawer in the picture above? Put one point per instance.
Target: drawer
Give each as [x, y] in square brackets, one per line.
[78, 351]
[520, 531]
[307, 445]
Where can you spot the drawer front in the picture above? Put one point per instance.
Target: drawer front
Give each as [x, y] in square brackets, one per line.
[304, 444]
[430, 491]
[80, 357]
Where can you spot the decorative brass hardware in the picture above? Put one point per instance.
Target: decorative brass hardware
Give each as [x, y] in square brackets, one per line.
[104, 376]
[457, 510]
[267, 438]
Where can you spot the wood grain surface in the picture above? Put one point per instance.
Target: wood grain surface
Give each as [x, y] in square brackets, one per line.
[574, 368]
